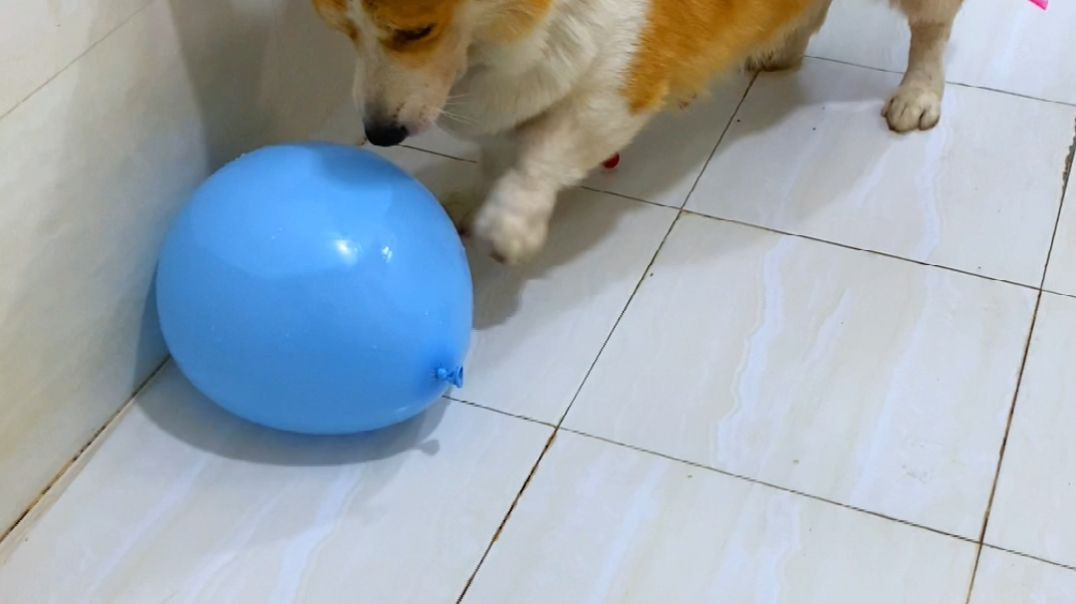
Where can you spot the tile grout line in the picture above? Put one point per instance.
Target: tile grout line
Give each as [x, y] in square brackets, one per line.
[815, 239]
[774, 486]
[727, 473]
[1001, 449]
[507, 515]
[847, 246]
[947, 82]
[1056, 293]
[1065, 176]
[437, 153]
[777, 231]
[501, 412]
[717, 470]
[94, 439]
[63, 68]
[770, 485]
[820, 499]
[608, 337]
[1030, 556]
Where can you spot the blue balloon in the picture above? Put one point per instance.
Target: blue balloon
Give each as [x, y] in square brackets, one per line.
[316, 288]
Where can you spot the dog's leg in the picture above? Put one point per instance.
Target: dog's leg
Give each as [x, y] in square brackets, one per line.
[789, 52]
[553, 151]
[495, 156]
[917, 103]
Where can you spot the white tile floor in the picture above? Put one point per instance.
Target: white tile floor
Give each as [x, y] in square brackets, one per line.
[795, 390]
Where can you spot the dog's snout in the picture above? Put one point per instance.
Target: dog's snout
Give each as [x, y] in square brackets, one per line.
[386, 134]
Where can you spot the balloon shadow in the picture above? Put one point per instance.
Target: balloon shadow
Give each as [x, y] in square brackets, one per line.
[177, 408]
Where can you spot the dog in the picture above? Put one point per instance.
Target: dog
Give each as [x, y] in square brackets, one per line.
[552, 88]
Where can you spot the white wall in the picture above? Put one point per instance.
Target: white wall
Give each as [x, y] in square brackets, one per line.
[111, 112]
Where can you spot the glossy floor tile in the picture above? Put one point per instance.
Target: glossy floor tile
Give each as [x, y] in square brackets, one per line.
[866, 380]
[1061, 274]
[538, 328]
[1005, 578]
[810, 154]
[1004, 45]
[601, 523]
[184, 503]
[1036, 495]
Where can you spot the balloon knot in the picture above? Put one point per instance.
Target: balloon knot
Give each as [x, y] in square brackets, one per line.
[452, 376]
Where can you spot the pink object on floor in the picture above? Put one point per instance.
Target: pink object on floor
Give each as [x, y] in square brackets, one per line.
[1041, 3]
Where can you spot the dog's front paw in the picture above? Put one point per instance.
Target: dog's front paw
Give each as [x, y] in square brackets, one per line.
[913, 107]
[513, 229]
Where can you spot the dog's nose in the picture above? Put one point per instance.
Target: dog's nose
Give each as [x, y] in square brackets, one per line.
[387, 134]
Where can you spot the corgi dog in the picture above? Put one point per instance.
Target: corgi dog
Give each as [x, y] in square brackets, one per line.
[551, 88]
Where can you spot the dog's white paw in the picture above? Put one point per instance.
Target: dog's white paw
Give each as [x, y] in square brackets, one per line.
[515, 230]
[913, 107]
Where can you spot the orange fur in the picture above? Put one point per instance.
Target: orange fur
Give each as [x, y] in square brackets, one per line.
[688, 42]
[334, 12]
[400, 15]
[509, 22]
[515, 20]
[393, 19]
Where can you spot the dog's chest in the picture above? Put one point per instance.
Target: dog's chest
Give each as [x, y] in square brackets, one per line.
[508, 84]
